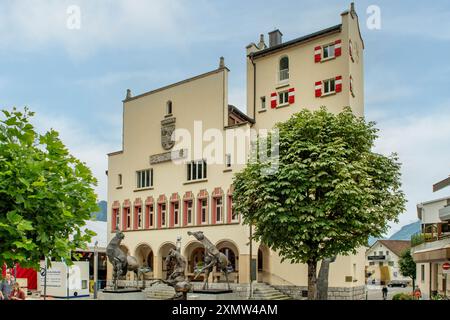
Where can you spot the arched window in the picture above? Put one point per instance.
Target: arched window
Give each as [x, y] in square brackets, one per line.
[169, 107]
[284, 68]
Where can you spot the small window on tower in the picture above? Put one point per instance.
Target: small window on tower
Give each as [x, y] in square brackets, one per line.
[329, 86]
[169, 108]
[328, 51]
[284, 69]
[283, 98]
[263, 103]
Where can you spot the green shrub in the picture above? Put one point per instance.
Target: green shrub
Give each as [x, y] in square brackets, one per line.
[417, 238]
[402, 296]
[438, 297]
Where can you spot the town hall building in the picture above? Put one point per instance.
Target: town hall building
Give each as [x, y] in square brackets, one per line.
[155, 200]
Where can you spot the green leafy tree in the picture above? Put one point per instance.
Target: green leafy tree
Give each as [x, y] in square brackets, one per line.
[46, 194]
[408, 266]
[329, 193]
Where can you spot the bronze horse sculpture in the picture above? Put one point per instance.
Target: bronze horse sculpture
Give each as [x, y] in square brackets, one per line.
[177, 278]
[121, 262]
[213, 258]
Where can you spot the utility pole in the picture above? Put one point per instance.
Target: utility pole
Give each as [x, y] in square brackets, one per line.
[250, 264]
[67, 280]
[45, 278]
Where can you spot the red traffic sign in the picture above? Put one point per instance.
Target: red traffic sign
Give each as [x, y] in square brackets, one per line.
[446, 266]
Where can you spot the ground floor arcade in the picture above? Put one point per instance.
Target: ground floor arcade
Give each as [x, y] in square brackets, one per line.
[152, 247]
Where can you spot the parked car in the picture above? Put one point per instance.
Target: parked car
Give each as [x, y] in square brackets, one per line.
[398, 283]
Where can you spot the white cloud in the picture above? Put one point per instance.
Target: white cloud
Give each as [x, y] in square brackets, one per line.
[82, 144]
[141, 76]
[27, 25]
[424, 21]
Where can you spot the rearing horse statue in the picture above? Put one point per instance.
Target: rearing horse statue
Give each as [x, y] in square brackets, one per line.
[213, 258]
[121, 262]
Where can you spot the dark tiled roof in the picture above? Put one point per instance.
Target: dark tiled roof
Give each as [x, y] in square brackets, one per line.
[297, 41]
[441, 184]
[396, 246]
[239, 113]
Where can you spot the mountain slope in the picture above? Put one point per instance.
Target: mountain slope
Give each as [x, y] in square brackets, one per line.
[100, 215]
[406, 232]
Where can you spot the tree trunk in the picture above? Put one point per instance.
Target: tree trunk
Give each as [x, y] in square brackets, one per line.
[312, 279]
[322, 281]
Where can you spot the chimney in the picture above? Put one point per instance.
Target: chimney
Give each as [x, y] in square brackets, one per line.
[222, 63]
[275, 38]
[129, 96]
[261, 44]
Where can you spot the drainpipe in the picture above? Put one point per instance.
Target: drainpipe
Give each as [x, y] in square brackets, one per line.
[254, 87]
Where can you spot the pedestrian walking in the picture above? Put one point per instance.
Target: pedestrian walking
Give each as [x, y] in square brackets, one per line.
[384, 291]
[417, 293]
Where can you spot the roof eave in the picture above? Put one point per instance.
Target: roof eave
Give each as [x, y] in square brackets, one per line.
[297, 41]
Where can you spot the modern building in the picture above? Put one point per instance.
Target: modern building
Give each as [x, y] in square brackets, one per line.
[431, 247]
[30, 279]
[158, 188]
[382, 261]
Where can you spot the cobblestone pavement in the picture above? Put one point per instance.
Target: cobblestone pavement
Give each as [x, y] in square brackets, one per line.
[374, 292]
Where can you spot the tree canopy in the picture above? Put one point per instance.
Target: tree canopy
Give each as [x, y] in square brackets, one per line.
[407, 265]
[46, 194]
[329, 193]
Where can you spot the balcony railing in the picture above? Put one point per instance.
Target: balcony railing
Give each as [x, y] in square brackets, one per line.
[419, 238]
[283, 75]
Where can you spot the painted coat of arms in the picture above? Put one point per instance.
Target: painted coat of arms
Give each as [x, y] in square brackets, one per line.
[167, 128]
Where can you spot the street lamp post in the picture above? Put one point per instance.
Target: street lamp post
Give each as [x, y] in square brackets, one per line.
[95, 269]
[67, 280]
[251, 263]
[45, 279]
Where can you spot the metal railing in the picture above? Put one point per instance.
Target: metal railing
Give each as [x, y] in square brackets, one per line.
[420, 237]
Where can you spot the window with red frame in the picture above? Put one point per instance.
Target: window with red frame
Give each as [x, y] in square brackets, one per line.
[203, 210]
[176, 213]
[189, 210]
[218, 205]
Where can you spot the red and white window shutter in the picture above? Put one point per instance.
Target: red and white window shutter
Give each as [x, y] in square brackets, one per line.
[338, 48]
[273, 100]
[338, 84]
[318, 54]
[291, 95]
[318, 88]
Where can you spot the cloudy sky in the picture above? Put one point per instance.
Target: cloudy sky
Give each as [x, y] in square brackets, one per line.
[75, 79]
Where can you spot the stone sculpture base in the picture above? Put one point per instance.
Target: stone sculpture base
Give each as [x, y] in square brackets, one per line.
[122, 294]
[213, 294]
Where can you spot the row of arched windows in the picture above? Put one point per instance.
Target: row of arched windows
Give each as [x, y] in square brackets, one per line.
[174, 212]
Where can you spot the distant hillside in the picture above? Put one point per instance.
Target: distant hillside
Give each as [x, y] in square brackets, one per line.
[100, 215]
[372, 240]
[406, 232]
